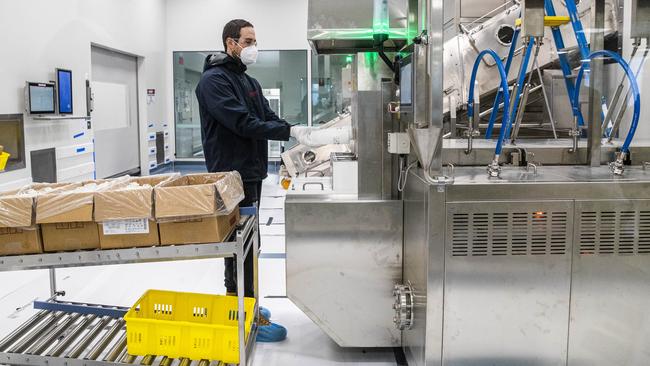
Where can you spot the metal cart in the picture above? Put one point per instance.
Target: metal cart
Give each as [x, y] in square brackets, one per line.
[77, 334]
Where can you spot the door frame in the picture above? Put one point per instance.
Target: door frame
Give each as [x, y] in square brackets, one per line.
[141, 102]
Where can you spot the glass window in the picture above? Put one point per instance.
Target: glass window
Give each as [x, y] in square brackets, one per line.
[331, 86]
[282, 75]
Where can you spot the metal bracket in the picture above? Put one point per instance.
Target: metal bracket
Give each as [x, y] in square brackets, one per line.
[86, 309]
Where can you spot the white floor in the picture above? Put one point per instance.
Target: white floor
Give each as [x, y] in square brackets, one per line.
[122, 285]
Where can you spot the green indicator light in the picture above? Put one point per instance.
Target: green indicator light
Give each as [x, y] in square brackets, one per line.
[348, 59]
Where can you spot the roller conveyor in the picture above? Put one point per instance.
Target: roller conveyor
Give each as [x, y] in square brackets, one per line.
[80, 334]
[74, 336]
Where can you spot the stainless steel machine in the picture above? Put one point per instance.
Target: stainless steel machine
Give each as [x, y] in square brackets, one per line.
[537, 254]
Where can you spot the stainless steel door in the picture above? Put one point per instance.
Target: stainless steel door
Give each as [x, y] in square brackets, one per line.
[507, 283]
[343, 259]
[610, 300]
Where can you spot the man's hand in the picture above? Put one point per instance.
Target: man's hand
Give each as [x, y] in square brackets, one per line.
[314, 137]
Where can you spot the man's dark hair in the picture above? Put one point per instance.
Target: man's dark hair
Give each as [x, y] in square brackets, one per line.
[233, 30]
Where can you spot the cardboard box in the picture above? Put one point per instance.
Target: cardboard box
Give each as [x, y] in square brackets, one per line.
[15, 241]
[122, 202]
[125, 213]
[198, 195]
[212, 229]
[70, 236]
[66, 219]
[119, 241]
[18, 234]
[16, 210]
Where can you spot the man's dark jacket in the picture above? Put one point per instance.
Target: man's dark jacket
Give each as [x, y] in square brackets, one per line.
[236, 119]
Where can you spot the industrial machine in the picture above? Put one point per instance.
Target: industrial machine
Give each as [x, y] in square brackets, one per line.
[530, 248]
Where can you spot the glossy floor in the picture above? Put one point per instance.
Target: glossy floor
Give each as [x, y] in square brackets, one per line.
[306, 345]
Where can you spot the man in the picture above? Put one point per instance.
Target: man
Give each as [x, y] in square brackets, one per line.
[236, 124]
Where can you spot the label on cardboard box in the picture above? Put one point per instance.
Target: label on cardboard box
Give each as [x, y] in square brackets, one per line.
[126, 227]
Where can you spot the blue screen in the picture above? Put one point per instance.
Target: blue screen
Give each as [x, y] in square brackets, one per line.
[64, 79]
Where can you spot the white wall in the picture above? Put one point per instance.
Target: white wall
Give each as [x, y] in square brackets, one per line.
[40, 35]
[197, 25]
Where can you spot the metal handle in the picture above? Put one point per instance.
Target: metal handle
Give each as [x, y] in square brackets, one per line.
[531, 165]
[322, 186]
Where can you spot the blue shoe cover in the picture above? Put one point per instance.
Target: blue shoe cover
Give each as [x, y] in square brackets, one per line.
[271, 333]
[265, 313]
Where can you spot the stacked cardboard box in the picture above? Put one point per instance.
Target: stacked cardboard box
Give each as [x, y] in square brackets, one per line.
[198, 208]
[18, 233]
[120, 213]
[66, 218]
[125, 213]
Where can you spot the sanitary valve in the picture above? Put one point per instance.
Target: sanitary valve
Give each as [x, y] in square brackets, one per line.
[494, 170]
[618, 167]
[403, 306]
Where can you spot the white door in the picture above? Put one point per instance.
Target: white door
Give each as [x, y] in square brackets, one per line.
[115, 112]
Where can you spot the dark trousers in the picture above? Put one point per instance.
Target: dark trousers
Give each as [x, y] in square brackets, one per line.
[253, 195]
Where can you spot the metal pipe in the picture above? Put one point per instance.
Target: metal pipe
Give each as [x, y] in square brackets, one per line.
[521, 107]
[52, 272]
[204, 363]
[520, 113]
[488, 111]
[548, 106]
[435, 26]
[621, 111]
[122, 355]
[185, 362]
[72, 336]
[22, 330]
[497, 99]
[85, 341]
[129, 358]
[46, 342]
[166, 361]
[101, 345]
[619, 90]
[147, 360]
[117, 349]
[575, 134]
[44, 327]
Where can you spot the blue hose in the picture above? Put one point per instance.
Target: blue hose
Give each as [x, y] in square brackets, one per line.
[633, 85]
[506, 93]
[497, 99]
[521, 80]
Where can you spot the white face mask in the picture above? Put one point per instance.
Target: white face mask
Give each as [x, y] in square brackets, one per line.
[248, 55]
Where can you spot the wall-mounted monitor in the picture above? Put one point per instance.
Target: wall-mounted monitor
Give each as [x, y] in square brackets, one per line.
[40, 98]
[64, 90]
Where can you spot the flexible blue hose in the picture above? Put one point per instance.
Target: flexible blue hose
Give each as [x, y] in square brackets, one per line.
[521, 81]
[506, 94]
[498, 98]
[633, 85]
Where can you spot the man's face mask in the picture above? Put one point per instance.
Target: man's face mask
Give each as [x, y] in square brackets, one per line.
[247, 55]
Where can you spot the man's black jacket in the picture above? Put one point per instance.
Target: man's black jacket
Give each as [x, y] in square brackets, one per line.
[236, 119]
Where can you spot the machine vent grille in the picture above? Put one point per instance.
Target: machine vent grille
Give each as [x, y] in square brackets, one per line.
[615, 232]
[510, 233]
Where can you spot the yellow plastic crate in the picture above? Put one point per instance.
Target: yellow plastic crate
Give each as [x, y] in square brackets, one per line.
[194, 326]
[4, 158]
